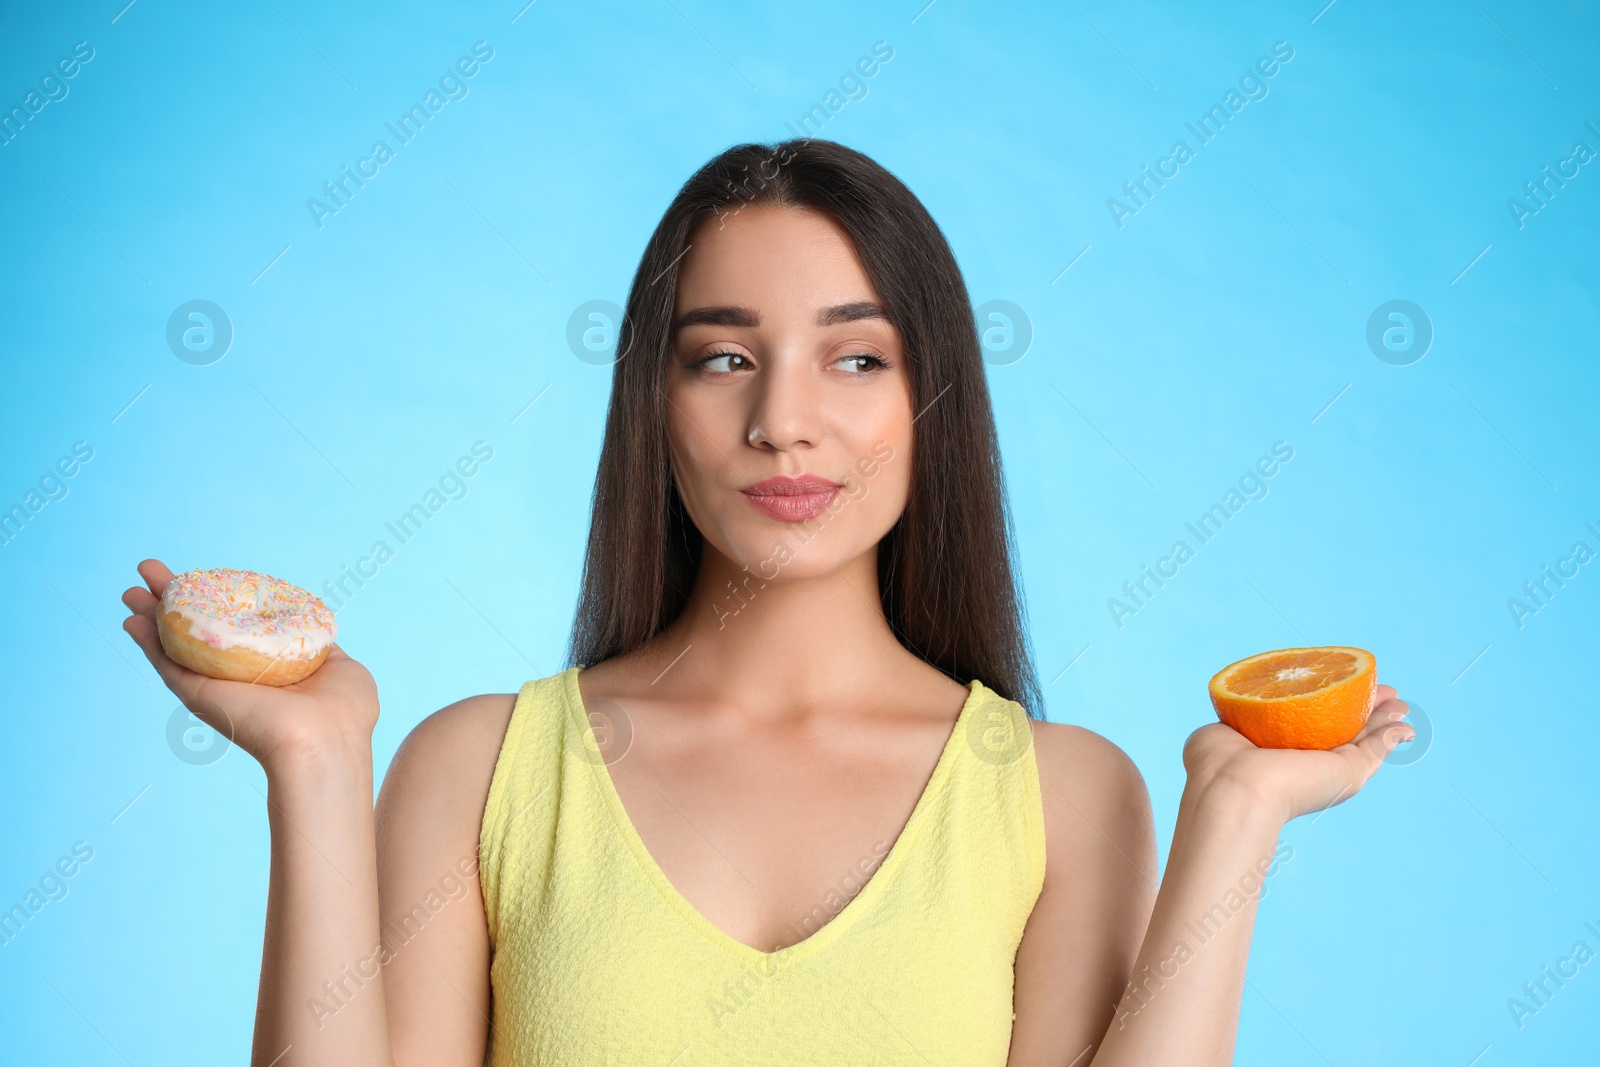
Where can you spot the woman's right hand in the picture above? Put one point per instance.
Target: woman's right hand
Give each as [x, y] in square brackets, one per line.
[330, 713]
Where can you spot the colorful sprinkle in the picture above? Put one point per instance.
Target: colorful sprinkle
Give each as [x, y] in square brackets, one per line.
[228, 608]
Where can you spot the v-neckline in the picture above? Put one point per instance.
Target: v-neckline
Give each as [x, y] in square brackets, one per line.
[875, 887]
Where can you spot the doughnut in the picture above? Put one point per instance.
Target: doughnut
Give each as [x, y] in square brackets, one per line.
[244, 626]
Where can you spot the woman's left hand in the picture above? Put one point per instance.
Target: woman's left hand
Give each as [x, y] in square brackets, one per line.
[1296, 782]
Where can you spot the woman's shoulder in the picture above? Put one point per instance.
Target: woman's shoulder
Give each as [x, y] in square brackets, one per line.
[472, 724]
[452, 752]
[450, 755]
[1066, 752]
[1095, 800]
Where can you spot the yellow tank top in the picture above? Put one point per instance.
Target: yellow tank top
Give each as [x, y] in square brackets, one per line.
[598, 959]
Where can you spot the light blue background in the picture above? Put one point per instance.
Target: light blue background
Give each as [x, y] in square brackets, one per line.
[1223, 317]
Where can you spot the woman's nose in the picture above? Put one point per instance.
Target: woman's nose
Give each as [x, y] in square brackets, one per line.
[785, 411]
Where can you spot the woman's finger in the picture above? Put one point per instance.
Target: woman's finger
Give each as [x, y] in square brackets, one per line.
[175, 677]
[143, 631]
[1383, 716]
[190, 687]
[1383, 711]
[139, 600]
[156, 575]
[1366, 753]
[1385, 692]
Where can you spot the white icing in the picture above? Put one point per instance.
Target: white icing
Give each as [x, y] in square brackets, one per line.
[255, 612]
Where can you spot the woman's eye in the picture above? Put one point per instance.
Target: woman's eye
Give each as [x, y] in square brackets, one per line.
[721, 362]
[863, 363]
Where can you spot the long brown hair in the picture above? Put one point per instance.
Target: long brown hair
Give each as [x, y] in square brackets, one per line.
[945, 571]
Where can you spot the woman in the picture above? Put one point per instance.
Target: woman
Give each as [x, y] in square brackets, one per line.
[789, 802]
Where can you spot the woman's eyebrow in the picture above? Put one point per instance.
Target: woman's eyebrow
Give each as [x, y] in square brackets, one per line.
[733, 315]
[727, 315]
[862, 309]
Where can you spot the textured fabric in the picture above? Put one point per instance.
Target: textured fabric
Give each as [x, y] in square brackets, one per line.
[597, 959]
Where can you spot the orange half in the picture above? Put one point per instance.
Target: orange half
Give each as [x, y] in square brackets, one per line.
[1298, 697]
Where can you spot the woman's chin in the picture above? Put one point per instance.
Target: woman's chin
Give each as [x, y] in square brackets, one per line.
[789, 556]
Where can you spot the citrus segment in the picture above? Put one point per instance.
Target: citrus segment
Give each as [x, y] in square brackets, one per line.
[1311, 698]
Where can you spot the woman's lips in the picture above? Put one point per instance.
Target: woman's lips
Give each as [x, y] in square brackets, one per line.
[793, 507]
[792, 499]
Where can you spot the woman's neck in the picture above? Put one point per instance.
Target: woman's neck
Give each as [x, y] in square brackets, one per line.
[747, 639]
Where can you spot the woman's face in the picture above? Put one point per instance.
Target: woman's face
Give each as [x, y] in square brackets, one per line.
[784, 366]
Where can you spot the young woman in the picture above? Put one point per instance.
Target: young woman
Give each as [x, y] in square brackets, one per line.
[790, 802]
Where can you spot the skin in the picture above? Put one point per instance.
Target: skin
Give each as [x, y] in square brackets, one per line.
[835, 726]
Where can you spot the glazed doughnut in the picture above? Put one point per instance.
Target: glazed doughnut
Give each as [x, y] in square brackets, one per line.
[244, 626]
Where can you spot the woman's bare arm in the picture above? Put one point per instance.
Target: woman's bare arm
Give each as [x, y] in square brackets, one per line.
[1099, 887]
[394, 962]
[322, 914]
[326, 994]
[431, 907]
[1181, 1001]
[314, 741]
[1175, 982]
